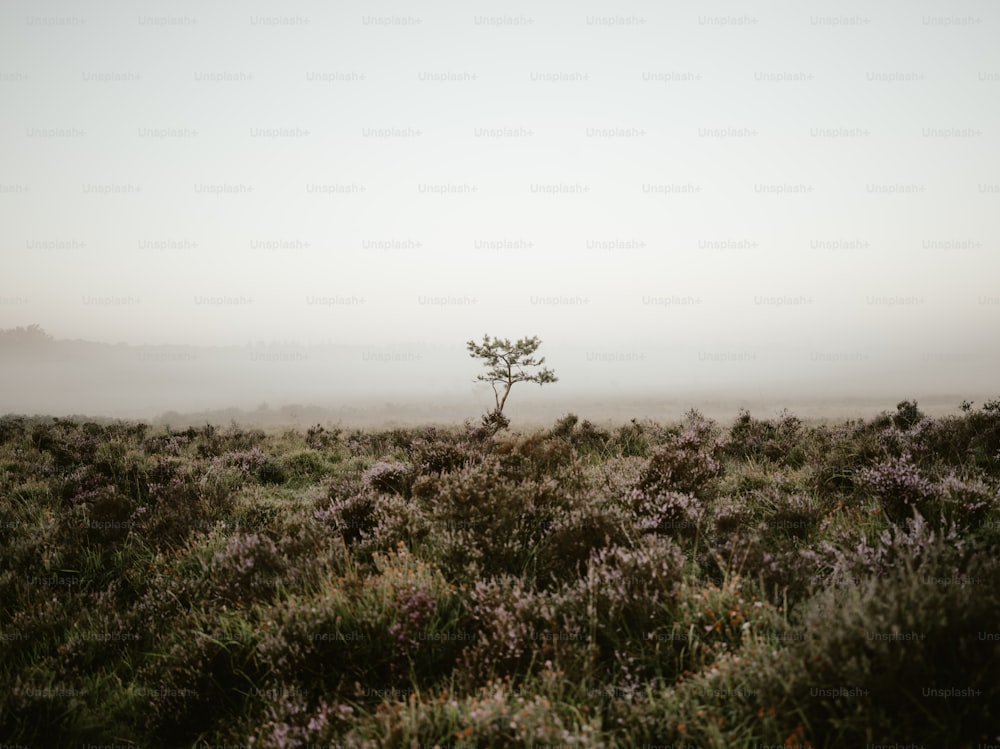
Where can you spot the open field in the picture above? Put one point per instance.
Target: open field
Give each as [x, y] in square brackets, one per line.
[743, 583]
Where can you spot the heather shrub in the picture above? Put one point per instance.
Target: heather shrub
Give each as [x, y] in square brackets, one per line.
[876, 653]
[162, 598]
[170, 443]
[290, 720]
[628, 586]
[966, 501]
[40, 623]
[210, 442]
[104, 516]
[181, 505]
[616, 477]
[40, 707]
[535, 457]
[487, 524]
[389, 477]
[425, 486]
[767, 537]
[589, 437]
[899, 486]
[67, 443]
[395, 521]
[587, 627]
[634, 440]
[685, 462]
[377, 630]
[783, 567]
[362, 443]
[981, 437]
[459, 587]
[346, 482]
[255, 464]
[350, 516]
[309, 550]
[79, 482]
[247, 462]
[574, 535]
[319, 438]
[670, 513]
[746, 478]
[217, 482]
[911, 442]
[272, 472]
[777, 441]
[297, 467]
[563, 428]
[907, 415]
[790, 513]
[12, 429]
[435, 453]
[942, 441]
[25, 463]
[542, 711]
[703, 622]
[245, 568]
[730, 515]
[124, 467]
[582, 435]
[721, 704]
[906, 543]
[518, 628]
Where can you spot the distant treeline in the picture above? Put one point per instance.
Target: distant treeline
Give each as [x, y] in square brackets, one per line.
[32, 335]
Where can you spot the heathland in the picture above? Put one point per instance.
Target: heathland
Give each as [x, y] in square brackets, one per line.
[764, 582]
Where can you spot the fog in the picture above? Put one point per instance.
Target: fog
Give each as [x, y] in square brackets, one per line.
[368, 385]
[757, 205]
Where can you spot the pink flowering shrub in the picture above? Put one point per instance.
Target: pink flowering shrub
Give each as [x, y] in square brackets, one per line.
[670, 513]
[899, 486]
[291, 722]
[686, 462]
[629, 588]
[246, 568]
[518, 628]
[247, 462]
[877, 650]
[484, 522]
[967, 501]
[389, 477]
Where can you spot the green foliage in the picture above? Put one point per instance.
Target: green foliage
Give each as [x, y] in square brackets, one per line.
[874, 655]
[761, 439]
[642, 584]
[506, 364]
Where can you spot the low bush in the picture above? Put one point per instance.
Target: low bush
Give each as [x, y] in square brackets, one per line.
[773, 584]
[686, 462]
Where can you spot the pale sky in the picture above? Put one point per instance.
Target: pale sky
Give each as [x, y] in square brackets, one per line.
[677, 195]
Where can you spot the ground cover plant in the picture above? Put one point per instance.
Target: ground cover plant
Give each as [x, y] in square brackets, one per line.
[765, 582]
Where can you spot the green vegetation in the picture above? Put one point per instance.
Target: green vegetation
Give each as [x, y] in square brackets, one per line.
[688, 584]
[508, 363]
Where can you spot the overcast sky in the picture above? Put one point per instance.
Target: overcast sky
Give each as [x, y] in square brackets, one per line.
[681, 194]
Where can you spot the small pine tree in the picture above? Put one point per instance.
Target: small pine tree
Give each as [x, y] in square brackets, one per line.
[507, 363]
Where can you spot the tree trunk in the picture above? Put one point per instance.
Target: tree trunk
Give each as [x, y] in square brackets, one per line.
[505, 394]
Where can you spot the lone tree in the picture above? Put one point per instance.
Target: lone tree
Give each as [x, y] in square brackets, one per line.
[506, 363]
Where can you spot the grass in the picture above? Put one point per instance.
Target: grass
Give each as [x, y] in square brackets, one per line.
[762, 583]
